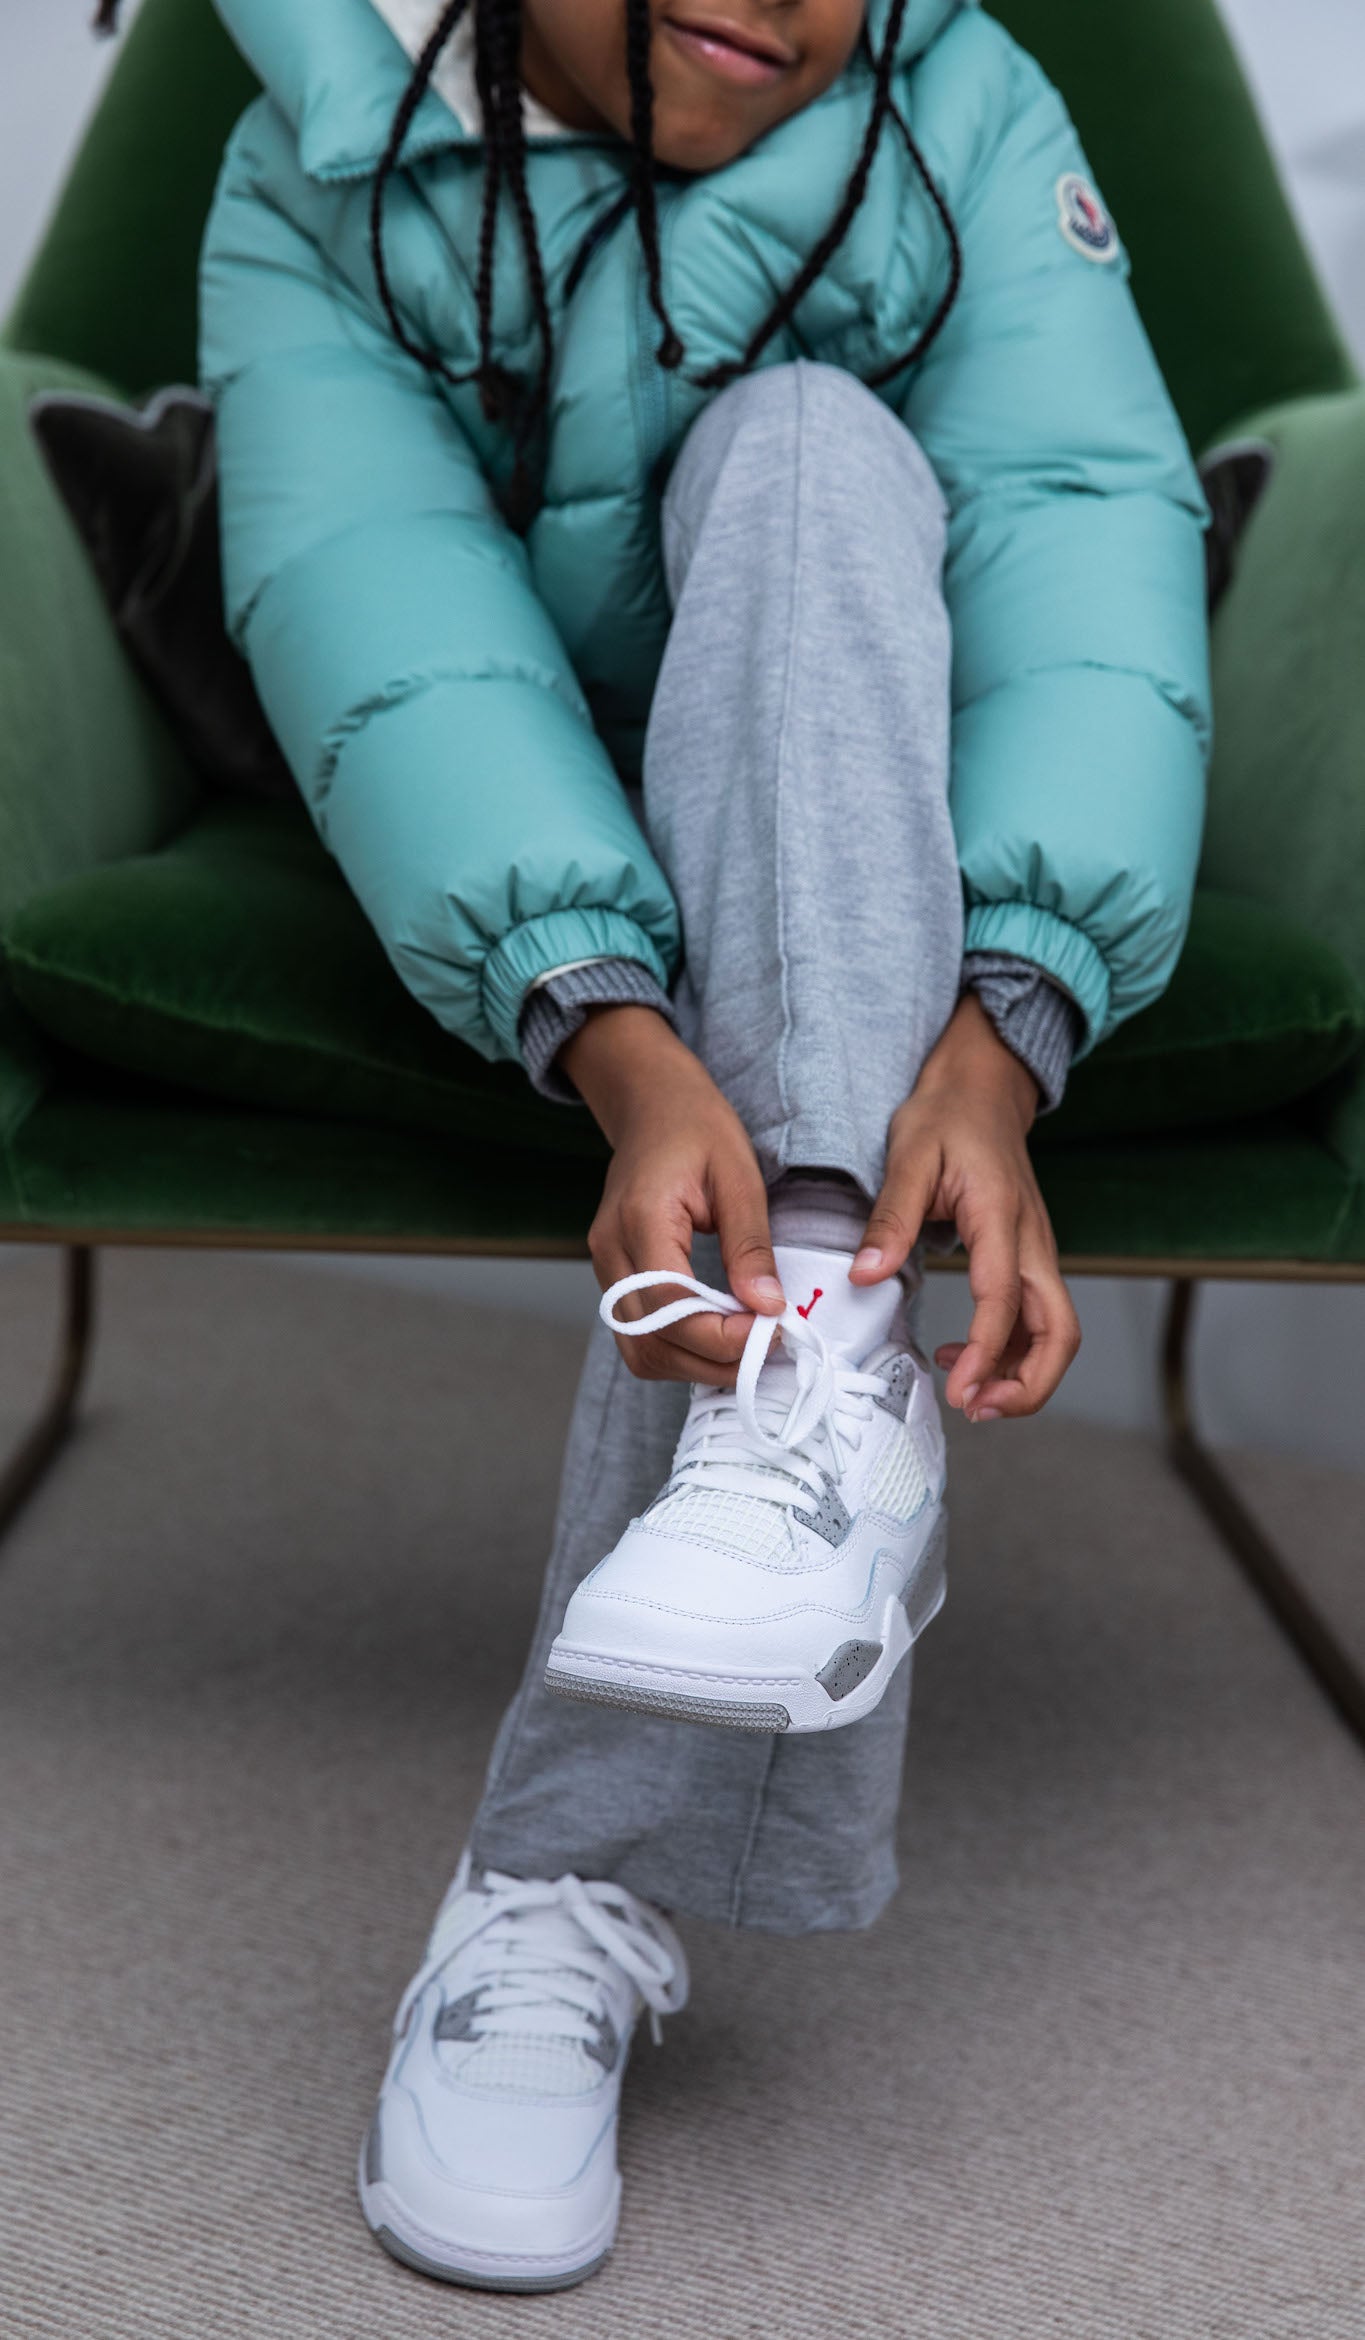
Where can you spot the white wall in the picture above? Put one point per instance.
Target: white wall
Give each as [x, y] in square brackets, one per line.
[51, 72]
[1277, 1367]
[1307, 65]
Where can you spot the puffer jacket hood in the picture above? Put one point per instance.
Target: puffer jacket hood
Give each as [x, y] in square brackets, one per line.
[460, 703]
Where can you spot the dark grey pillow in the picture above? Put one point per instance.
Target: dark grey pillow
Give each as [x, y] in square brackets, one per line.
[141, 484]
[1234, 478]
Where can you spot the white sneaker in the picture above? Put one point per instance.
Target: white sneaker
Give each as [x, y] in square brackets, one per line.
[491, 2158]
[783, 1572]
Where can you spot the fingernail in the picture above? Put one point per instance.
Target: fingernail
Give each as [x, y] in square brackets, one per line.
[987, 1414]
[768, 1286]
[972, 1390]
[868, 1258]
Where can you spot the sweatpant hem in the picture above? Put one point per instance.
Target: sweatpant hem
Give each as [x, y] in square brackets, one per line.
[799, 1145]
[758, 1912]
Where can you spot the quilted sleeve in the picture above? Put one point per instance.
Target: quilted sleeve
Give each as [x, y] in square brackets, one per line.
[418, 688]
[1074, 575]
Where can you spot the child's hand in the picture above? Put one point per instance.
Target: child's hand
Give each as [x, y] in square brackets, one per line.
[681, 1163]
[957, 1150]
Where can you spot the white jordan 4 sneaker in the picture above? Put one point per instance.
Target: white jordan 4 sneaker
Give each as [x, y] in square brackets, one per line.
[491, 2158]
[781, 1575]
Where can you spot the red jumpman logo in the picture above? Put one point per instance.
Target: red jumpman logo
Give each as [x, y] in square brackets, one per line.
[817, 1294]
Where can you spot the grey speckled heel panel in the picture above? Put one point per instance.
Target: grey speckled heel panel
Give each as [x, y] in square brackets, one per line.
[925, 1593]
[674, 1703]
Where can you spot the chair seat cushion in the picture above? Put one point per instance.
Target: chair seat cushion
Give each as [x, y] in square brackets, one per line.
[103, 1157]
[235, 962]
[1258, 1013]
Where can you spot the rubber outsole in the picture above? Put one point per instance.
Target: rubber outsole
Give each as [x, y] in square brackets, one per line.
[468, 2280]
[734, 1714]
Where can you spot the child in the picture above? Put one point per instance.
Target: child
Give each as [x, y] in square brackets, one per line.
[658, 437]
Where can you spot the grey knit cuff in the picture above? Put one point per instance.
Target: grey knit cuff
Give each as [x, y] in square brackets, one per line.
[1038, 1021]
[558, 1008]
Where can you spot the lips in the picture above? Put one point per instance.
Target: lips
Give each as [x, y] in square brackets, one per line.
[732, 51]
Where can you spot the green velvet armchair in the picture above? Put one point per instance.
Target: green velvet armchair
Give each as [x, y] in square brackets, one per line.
[199, 1039]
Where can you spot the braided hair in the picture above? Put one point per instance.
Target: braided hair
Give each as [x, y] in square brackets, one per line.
[784, 308]
[497, 67]
[497, 25]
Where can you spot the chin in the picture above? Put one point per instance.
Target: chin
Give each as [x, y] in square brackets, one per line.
[699, 146]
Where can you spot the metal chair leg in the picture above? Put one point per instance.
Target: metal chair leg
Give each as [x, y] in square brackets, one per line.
[1297, 1617]
[38, 1449]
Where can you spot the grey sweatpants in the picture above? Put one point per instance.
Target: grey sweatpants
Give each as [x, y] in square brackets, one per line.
[795, 790]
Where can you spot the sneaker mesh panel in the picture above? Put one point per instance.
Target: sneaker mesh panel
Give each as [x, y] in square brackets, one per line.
[713, 1515]
[522, 2064]
[899, 1485]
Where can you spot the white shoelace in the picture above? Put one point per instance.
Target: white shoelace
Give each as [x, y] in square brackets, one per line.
[531, 1976]
[749, 1440]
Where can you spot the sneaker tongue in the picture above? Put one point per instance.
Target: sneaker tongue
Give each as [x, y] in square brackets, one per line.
[858, 1316]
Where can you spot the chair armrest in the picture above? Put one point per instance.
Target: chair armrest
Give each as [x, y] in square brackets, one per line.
[88, 769]
[1286, 822]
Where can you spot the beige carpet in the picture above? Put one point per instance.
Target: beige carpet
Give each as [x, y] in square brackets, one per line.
[1098, 2075]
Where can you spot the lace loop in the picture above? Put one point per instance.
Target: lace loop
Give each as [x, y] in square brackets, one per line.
[827, 1387]
[702, 1300]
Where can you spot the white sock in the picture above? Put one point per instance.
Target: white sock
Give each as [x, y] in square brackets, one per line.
[825, 1210]
[818, 1210]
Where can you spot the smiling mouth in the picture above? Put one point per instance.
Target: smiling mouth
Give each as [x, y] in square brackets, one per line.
[729, 50]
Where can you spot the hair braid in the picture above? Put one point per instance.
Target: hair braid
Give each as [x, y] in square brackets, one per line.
[402, 122]
[506, 99]
[822, 252]
[639, 38]
[939, 319]
[492, 388]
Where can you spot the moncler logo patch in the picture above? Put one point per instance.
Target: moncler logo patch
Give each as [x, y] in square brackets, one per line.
[1083, 219]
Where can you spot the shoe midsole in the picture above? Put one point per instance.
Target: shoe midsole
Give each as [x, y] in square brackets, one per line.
[766, 1694]
[798, 1702]
[392, 2223]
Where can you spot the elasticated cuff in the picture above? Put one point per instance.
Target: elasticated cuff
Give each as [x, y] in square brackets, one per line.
[1038, 1022]
[558, 1007]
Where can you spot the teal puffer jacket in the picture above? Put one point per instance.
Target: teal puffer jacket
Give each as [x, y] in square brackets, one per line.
[459, 703]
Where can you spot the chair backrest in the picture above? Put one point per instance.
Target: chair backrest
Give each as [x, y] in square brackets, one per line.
[1225, 286]
[112, 286]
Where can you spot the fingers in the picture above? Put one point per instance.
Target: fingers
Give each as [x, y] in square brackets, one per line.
[740, 1211]
[625, 1240]
[912, 1177]
[656, 1358]
[701, 1348]
[1042, 1342]
[708, 1347]
[1051, 1338]
[993, 1275]
[683, 1163]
